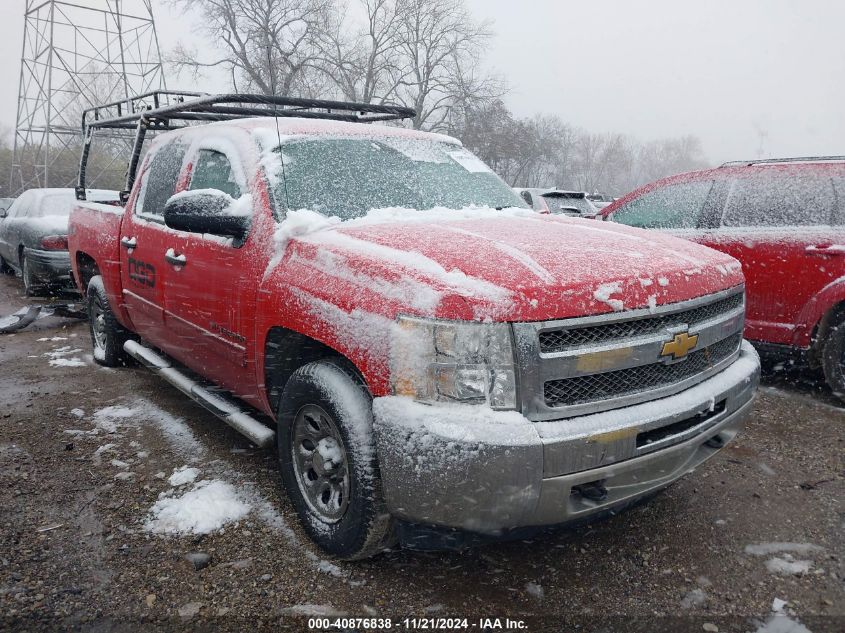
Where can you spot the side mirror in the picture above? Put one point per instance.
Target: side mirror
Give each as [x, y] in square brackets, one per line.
[206, 211]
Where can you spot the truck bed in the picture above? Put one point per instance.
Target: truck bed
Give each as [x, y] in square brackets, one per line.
[94, 239]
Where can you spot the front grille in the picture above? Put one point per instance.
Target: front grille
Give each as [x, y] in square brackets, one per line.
[595, 387]
[559, 340]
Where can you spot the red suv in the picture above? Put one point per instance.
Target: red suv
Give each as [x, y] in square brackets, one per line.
[784, 220]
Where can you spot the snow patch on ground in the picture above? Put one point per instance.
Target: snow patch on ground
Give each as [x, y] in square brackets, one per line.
[183, 475]
[108, 418]
[764, 549]
[788, 566]
[534, 590]
[67, 362]
[785, 564]
[694, 598]
[206, 507]
[175, 430]
[780, 622]
[97, 457]
[58, 356]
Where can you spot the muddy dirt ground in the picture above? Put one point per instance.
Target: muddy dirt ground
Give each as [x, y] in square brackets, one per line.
[85, 453]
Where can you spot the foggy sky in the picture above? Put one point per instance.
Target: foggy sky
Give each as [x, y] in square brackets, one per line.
[743, 76]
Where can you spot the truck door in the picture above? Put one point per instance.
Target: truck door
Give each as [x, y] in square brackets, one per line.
[779, 223]
[143, 242]
[210, 290]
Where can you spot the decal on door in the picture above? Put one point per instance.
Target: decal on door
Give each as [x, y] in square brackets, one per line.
[142, 273]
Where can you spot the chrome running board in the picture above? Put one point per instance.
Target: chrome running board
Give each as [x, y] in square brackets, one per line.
[228, 411]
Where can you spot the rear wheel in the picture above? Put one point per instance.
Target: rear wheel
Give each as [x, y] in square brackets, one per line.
[4, 266]
[328, 461]
[833, 356]
[107, 335]
[31, 284]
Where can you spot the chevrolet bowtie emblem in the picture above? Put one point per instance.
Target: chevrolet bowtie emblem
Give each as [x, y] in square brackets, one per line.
[679, 346]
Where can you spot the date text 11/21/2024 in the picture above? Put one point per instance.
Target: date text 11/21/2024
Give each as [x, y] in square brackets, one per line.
[425, 623]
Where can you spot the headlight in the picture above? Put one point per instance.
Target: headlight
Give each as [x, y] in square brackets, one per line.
[446, 361]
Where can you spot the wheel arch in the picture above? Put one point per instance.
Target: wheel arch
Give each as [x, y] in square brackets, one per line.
[287, 350]
[86, 267]
[833, 315]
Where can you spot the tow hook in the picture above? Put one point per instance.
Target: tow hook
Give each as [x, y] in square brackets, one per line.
[592, 490]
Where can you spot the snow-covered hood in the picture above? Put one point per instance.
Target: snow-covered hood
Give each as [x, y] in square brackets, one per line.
[514, 265]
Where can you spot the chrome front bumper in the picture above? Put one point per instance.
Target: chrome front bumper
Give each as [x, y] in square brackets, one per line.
[442, 467]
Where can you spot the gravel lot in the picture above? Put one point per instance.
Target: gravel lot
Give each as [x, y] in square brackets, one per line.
[712, 551]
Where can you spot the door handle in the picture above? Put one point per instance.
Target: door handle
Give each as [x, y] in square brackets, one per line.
[827, 249]
[128, 242]
[174, 258]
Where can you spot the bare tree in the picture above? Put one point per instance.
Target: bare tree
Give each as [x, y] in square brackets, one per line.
[439, 68]
[268, 46]
[669, 156]
[364, 63]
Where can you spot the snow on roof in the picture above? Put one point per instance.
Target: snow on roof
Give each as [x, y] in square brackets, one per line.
[296, 126]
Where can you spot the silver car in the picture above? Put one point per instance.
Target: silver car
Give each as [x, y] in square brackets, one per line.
[33, 237]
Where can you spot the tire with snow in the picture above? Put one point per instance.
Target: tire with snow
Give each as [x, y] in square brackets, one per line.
[328, 460]
[107, 335]
[833, 356]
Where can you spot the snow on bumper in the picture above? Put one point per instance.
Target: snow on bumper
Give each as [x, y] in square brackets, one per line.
[485, 471]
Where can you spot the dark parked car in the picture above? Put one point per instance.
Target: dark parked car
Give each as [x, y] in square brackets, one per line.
[559, 202]
[33, 237]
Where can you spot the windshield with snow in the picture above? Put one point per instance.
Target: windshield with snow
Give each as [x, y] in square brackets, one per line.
[347, 177]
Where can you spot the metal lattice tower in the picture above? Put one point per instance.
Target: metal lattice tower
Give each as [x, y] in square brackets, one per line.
[77, 54]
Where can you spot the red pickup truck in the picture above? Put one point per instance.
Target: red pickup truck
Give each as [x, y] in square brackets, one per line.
[784, 220]
[431, 357]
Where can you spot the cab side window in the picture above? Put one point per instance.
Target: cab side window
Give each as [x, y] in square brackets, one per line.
[161, 178]
[780, 199]
[675, 206]
[214, 171]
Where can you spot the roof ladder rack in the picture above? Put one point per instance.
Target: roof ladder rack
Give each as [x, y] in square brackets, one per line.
[798, 159]
[168, 109]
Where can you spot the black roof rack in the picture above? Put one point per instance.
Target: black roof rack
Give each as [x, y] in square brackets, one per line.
[168, 110]
[799, 159]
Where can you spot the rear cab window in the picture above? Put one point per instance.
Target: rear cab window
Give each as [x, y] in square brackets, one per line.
[778, 199]
[160, 178]
[672, 206]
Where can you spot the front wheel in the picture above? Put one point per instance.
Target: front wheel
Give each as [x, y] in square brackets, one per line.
[833, 357]
[328, 461]
[107, 335]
